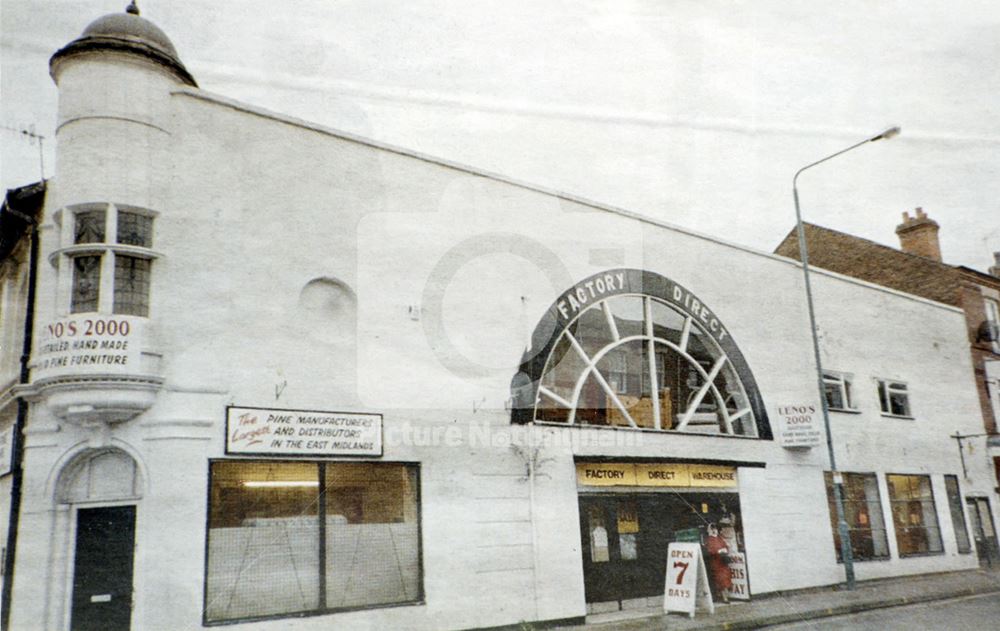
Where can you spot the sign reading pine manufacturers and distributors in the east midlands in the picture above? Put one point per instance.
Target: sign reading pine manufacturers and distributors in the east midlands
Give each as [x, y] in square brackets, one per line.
[799, 425]
[267, 431]
[89, 344]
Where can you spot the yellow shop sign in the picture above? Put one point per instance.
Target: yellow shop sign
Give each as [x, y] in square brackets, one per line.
[671, 474]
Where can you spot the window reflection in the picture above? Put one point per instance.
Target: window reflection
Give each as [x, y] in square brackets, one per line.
[607, 370]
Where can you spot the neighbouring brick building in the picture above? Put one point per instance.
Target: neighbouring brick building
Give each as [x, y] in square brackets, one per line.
[917, 268]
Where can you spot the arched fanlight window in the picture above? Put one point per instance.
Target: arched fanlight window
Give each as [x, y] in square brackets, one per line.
[628, 348]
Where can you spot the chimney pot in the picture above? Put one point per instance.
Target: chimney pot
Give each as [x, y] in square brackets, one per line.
[919, 235]
[995, 269]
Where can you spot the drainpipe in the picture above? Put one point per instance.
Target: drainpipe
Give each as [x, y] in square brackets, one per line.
[17, 454]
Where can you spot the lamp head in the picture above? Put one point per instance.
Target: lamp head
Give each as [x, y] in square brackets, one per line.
[886, 135]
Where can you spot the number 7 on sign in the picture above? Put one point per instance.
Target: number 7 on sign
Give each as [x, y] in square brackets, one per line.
[684, 568]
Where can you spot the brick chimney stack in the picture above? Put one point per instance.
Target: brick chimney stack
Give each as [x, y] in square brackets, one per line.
[919, 235]
[995, 269]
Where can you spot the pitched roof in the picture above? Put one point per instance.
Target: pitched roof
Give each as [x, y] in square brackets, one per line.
[875, 263]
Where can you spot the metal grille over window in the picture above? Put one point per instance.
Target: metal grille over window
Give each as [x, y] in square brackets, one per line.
[86, 283]
[635, 361]
[914, 515]
[135, 229]
[131, 285]
[863, 513]
[957, 514]
[290, 538]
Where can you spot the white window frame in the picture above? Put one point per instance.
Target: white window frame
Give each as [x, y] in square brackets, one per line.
[107, 250]
[887, 387]
[992, 307]
[845, 381]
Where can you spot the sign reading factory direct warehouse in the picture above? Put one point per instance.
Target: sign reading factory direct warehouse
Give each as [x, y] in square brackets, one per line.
[267, 431]
[88, 344]
[658, 474]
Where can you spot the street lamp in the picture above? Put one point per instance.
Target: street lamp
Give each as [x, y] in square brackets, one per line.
[838, 482]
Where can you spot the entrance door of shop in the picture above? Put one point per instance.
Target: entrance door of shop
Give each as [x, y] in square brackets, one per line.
[625, 538]
[984, 531]
[102, 574]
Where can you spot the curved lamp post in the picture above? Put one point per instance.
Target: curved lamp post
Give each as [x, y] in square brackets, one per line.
[838, 482]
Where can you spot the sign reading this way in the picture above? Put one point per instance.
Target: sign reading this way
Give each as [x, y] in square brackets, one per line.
[266, 431]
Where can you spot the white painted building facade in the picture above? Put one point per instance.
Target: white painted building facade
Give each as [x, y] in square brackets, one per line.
[205, 262]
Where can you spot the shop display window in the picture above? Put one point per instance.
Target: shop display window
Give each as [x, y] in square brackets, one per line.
[635, 361]
[287, 538]
[863, 513]
[914, 515]
[957, 513]
[894, 398]
[837, 389]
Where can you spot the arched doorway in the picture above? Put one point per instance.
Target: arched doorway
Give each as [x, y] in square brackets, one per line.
[103, 487]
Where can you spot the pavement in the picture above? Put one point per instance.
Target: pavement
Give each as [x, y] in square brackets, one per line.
[810, 604]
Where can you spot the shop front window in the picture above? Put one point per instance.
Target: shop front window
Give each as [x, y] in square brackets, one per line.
[863, 513]
[288, 538]
[636, 361]
[914, 515]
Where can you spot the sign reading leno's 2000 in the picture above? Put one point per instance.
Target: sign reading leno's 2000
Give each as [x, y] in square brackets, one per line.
[263, 431]
[88, 344]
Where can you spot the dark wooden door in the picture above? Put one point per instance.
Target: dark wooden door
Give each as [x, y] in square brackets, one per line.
[102, 574]
[984, 531]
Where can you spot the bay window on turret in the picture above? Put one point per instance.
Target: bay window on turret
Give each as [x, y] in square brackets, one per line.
[108, 251]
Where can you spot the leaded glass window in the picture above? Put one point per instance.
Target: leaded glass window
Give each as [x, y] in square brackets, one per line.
[89, 227]
[131, 285]
[86, 283]
[135, 229]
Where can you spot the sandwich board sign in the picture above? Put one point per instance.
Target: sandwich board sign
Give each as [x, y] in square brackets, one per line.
[687, 582]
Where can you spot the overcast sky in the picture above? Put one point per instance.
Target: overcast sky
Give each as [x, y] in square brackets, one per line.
[697, 112]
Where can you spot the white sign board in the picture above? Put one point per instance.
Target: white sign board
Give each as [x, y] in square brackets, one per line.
[740, 589]
[686, 581]
[800, 425]
[88, 344]
[267, 431]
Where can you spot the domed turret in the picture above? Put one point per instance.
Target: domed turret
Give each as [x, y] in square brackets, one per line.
[126, 32]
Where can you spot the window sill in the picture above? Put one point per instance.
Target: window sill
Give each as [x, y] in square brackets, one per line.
[899, 416]
[844, 410]
[913, 555]
[312, 613]
[869, 559]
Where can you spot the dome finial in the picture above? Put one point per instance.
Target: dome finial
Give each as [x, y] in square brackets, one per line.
[132, 8]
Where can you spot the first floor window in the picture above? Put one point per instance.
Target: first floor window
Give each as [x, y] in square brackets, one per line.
[913, 514]
[894, 398]
[131, 285]
[957, 514]
[86, 283]
[863, 513]
[837, 389]
[297, 537]
[109, 245]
